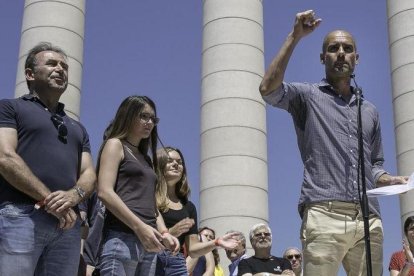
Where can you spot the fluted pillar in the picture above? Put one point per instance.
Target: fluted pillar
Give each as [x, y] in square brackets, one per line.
[401, 45]
[233, 187]
[61, 23]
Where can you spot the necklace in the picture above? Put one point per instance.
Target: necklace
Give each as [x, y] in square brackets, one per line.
[135, 146]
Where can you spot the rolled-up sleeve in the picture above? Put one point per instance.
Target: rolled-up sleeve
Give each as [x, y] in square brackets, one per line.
[377, 154]
[282, 96]
[276, 96]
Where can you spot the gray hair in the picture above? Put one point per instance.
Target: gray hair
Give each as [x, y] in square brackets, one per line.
[257, 226]
[41, 47]
[292, 248]
[241, 236]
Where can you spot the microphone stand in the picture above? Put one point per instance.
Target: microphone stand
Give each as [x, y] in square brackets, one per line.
[361, 177]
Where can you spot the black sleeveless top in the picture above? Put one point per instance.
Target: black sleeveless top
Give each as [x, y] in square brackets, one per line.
[135, 185]
[171, 217]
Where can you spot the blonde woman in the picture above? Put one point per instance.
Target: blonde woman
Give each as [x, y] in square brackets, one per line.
[180, 214]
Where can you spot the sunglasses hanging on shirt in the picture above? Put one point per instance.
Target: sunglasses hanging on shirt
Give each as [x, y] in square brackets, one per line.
[60, 126]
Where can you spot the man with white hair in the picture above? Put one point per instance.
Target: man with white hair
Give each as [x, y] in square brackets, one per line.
[263, 263]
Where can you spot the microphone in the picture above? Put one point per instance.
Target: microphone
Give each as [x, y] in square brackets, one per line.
[357, 90]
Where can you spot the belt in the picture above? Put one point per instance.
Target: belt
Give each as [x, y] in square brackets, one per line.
[335, 204]
[341, 207]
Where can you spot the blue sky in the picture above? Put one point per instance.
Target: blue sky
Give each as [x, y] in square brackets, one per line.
[153, 47]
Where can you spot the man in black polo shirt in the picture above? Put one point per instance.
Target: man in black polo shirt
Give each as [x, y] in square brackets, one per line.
[262, 262]
[45, 170]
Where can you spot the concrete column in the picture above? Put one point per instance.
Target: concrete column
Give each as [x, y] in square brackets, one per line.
[61, 23]
[233, 180]
[401, 45]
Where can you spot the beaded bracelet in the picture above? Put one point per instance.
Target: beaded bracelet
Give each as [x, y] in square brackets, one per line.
[216, 242]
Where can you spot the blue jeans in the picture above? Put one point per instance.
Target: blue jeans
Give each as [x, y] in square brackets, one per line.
[31, 243]
[123, 255]
[170, 265]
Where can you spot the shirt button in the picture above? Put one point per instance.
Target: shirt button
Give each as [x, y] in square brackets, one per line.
[354, 182]
[353, 166]
[350, 136]
[350, 120]
[351, 151]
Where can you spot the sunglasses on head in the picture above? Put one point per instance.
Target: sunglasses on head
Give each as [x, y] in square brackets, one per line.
[290, 257]
[60, 126]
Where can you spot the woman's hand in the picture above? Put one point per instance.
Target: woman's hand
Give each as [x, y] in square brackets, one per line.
[150, 239]
[228, 241]
[181, 227]
[171, 242]
[407, 251]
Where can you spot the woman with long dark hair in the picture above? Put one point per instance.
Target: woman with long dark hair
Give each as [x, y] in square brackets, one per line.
[133, 230]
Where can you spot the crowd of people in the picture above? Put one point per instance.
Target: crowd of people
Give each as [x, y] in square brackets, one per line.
[136, 202]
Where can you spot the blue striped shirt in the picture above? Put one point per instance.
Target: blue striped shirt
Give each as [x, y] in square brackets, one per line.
[326, 129]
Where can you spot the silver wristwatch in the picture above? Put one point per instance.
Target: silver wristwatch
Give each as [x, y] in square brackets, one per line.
[80, 192]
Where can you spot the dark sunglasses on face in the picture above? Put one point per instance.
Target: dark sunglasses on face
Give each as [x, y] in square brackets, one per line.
[60, 126]
[258, 235]
[145, 117]
[290, 257]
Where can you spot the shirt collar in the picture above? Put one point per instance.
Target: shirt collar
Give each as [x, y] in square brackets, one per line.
[324, 83]
[237, 261]
[30, 97]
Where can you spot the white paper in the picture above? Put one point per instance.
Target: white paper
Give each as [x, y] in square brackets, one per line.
[392, 189]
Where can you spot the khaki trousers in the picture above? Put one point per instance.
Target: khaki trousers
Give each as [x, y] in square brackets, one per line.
[333, 233]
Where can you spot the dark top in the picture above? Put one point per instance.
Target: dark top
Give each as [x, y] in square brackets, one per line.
[171, 217]
[326, 130]
[200, 266]
[95, 217]
[55, 162]
[135, 185]
[255, 265]
[90, 207]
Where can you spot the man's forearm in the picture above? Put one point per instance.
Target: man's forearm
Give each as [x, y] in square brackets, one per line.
[305, 23]
[86, 183]
[18, 174]
[87, 178]
[275, 73]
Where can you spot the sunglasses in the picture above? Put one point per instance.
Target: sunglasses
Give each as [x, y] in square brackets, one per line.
[145, 117]
[60, 126]
[258, 235]
[290, 257]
